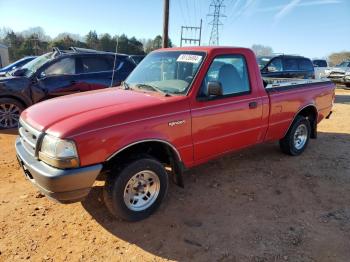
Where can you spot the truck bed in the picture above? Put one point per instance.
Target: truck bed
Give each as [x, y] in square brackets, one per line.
[278, 84]
[289, 96]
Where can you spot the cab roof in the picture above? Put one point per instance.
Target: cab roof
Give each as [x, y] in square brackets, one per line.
[206, 49]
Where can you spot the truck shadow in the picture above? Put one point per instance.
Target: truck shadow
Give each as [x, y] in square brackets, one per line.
[13, 131]
[234, 202]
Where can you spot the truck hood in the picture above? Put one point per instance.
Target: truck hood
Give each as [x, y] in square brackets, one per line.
[339, 69]
[69, 115]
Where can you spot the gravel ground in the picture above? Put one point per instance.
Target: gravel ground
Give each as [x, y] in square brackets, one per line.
[254, 205]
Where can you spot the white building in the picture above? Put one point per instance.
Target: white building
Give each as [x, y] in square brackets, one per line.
[4, 55]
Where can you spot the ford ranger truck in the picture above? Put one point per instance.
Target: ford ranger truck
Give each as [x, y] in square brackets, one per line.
[179, 108]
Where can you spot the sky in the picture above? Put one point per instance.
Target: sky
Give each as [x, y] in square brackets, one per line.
[313, 28]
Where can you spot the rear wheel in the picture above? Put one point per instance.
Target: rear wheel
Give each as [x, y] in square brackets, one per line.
[136, 191]
[297, 137]
[10, 110]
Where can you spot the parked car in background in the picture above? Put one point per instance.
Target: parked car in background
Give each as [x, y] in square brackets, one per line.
[59, 73]
[15, 65]
[179, 108]
[337, 73]
[320, 66]
[286, 66]
[137, 58]
[347, 79]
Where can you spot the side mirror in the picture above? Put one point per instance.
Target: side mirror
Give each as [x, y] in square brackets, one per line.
[42, 75]
[214, 88]
[271, 69]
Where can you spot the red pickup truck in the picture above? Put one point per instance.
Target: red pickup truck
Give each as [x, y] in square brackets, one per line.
[179, 108]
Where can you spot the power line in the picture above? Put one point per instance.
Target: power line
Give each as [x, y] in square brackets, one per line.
[188, 12]
[182, 12]
[217, 7]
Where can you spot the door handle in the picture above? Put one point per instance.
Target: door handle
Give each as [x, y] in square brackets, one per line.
[73, 82]
[253, 105]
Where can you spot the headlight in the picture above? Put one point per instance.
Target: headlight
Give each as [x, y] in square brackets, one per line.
[58, 152]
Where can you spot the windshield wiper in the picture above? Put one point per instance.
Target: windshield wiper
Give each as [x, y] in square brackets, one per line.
[125, 85]
[154, 88]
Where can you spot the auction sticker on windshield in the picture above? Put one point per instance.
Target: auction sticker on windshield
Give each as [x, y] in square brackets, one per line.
[187, 58]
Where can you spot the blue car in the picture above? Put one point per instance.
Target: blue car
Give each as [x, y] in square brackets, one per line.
[15, 65]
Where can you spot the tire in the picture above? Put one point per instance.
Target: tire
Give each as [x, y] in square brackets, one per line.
[297, 138]
[10, 111]
[125, 198]
[347, 84]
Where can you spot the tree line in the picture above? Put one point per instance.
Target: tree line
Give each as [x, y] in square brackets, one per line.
[34, 41]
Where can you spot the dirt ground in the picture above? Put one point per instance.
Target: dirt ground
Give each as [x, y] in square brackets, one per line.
[254, 205]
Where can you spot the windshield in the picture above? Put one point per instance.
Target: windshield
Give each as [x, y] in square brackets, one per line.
[169, 72]
[344, 64]
[35, 64]
[262, 61]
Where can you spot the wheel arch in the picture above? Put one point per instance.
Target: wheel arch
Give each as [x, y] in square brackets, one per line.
[160, 149]
[310, 112]
[17, 98]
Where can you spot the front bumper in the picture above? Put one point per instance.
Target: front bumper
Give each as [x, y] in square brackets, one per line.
[335, 79]
[63, 185]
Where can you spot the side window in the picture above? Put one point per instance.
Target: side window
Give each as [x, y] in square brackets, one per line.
[65, 66]
[275, 65]
[305, 64]
[232, 73]
[290, 64]
[96, 64]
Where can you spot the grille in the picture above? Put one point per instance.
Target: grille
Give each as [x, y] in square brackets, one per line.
[29, 137]
[337, 74]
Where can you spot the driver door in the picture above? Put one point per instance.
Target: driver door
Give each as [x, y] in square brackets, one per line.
[59, 78]
[229, 121]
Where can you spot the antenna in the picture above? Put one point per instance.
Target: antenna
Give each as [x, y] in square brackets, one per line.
[115, 60]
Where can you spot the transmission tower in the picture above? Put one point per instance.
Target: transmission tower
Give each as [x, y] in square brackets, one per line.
[216, 7]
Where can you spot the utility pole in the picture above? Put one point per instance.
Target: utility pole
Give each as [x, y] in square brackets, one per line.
[166, 24]
[197, 31]
[216, 6]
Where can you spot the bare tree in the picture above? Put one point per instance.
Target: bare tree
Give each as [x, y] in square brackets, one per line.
[38, 31]
[337, 58]
[262, 50]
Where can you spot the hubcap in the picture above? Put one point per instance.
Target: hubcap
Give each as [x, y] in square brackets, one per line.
[142, 190]
[300, 136]
[9, 115]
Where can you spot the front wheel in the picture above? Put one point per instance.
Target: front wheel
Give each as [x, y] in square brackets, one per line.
[297, 137]
[10, 110]
[137, 190]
